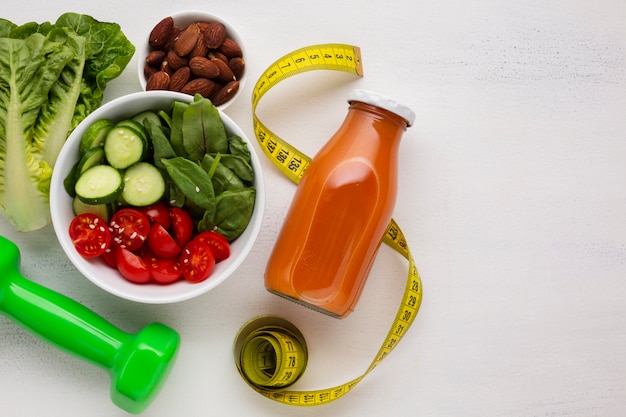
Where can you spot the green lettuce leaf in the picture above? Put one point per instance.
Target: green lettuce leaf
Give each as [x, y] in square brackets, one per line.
[52, 76]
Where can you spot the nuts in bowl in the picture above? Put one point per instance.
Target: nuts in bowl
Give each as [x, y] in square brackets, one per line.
[194, 52]
[150, 216]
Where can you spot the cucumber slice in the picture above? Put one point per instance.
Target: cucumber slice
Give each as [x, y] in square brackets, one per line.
[135, 125]
[69, 183]
[94, 156]
[143, 185]
[124, 146]
[105, 211]
[100, 184]
[94, 135]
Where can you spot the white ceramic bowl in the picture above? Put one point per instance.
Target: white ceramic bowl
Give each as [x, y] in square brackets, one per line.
[108, 278]
[182, 19]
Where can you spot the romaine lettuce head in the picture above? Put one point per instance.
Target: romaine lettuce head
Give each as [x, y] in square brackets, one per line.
[51, 77]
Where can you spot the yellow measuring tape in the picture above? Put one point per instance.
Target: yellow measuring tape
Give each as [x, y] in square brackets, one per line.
[270, 352]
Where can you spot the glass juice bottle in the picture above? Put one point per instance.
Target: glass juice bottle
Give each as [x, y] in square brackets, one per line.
[341, 209]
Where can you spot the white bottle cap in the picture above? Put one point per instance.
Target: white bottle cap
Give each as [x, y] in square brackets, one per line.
[384, 102]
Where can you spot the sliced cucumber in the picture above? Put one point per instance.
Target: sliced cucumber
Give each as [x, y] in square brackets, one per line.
[69, 183]
[105, 211]
[143, 185]
[94, 156]
[124, 146]
[135, 125]
[100, 184]
[95, 134]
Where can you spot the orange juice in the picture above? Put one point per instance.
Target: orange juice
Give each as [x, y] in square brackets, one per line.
[341, 209]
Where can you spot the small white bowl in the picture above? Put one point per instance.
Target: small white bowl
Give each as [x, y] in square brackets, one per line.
[182, 19]
[96, 270]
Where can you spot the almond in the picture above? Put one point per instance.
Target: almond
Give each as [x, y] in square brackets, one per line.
[187, 40]
[176, 61]
[161, 32]
[203, 67]
[201, 86]
[202, 26]
[158, 81]
[225, 74]
[214, 35]
[200, 58]
[200, 49]
[148, 70]
[230, 48]
[179, 79]
[169, 44]
[215, 54]
[167, 68]
[237, 66]
[155, 57]
[225, 93]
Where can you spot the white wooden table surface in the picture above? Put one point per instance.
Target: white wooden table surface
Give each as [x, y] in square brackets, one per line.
[512, 198]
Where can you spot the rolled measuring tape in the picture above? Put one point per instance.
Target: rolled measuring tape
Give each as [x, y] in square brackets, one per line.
[270, 352]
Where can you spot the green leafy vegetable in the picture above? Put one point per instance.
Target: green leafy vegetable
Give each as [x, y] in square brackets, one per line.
[239, 165]
[238, 146]
[194, 182]
[233, 210]
[176, 137]
[223, 178]
[203, 130]
[161, 144]
[51, 77]
[208, 173]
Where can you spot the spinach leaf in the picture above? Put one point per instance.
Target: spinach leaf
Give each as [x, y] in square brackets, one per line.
[222, 177]
[176, 135]
[233, 210]
[203, 130]
[192, 180]
[175, 195]
[162, 148]
[239, 166]
[237, 146]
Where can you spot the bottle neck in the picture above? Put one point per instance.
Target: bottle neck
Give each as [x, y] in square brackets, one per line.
[379, 114]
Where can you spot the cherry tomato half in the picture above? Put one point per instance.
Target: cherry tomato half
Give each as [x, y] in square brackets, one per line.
[218, 244]
[182, 225]
[163, 271]
[197, 261]
[132, 267]
[129, 228]
[109, 256]
[161, 242]
[90, 235]
[158, 212]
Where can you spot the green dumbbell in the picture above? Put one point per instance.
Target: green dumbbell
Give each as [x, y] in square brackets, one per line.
[138, 363]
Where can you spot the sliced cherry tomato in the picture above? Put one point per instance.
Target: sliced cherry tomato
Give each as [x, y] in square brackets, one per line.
[197, 261]
[129, 228]
[182, 225]
[90, 235]
[218, 244]
[158, 212]
[163, 270]
[109, 256]
[161, 242]
[132, 267]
